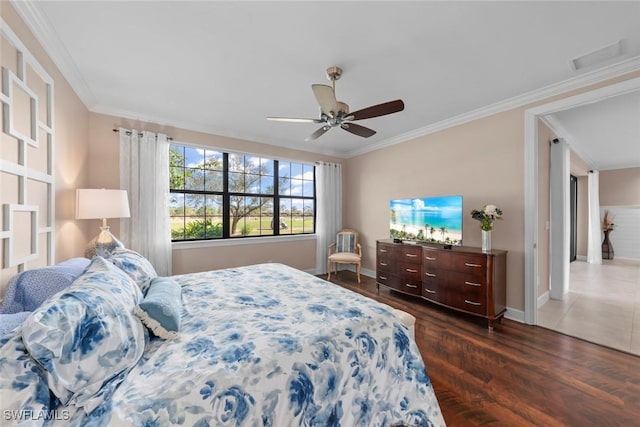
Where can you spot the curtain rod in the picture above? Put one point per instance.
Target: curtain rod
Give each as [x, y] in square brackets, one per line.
[139, 133]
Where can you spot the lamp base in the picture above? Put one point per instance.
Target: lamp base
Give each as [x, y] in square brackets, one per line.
[103, 244]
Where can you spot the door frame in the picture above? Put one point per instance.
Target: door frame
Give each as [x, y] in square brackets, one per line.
[531, 117]
[573, 217]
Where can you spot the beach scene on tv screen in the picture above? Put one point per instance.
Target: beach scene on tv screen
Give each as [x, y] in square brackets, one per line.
[427, 219]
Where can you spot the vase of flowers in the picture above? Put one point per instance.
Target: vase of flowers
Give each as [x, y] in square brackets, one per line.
[607, 226]
[487, 215]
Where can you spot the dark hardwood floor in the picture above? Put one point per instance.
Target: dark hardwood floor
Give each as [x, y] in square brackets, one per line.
[516, 375]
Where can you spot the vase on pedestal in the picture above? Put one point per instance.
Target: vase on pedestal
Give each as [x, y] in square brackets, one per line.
[607, 249]
[486, 241]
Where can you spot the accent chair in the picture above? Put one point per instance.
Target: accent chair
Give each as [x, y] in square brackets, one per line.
[346, 250]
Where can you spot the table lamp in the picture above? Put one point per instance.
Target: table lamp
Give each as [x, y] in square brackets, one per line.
[102, 204]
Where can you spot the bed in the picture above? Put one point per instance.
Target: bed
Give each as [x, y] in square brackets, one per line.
[261, 345]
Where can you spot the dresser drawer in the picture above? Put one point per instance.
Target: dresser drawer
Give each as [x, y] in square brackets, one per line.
[410, 271]
[471, 302]
[409, 253]
[385, 250]
[436, 259]
[399, 283]
[410, 286]
[432, 291]
[466, 282]
[469, 264]
[432, 273]
[388, 279]
[385, 261]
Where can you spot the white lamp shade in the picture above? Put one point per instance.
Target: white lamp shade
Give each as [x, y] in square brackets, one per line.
[92, 203]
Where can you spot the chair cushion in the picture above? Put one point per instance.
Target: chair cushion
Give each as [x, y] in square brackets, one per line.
[346, 242]
[344, 257]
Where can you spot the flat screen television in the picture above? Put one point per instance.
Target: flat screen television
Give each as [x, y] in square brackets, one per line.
[427, 219]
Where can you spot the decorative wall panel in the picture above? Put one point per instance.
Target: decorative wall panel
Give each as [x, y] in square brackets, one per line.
[27, 192]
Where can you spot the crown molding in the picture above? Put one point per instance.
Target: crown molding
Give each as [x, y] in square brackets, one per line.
[596, 76]
[50, 41]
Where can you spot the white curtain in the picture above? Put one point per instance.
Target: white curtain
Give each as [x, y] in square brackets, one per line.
[594, 245]
[144, 173]
[328, 209]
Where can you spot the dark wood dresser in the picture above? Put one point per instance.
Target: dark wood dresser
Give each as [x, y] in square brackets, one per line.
[462, 278]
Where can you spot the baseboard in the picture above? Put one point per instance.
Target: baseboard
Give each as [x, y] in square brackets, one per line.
[516, 315]
[581, 258]
[368, 272]
[543, 299]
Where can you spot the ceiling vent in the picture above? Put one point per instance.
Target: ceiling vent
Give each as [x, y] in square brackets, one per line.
[600, 56]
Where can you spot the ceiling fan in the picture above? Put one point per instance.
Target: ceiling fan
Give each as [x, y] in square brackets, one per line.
[334, 113]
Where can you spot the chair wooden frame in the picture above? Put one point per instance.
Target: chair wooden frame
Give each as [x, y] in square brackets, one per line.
[334, 262]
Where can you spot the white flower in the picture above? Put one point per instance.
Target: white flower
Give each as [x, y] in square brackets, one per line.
[491, 210]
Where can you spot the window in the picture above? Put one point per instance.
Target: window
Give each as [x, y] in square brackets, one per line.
[218, 195]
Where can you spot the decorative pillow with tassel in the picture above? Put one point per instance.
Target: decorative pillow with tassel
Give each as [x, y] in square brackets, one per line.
[161, 308]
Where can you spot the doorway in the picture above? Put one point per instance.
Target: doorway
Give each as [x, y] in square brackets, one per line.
[532, 116]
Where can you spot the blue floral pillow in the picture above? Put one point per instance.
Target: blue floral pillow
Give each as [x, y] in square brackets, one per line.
[161, 308]
[135, 265]
[86, 337]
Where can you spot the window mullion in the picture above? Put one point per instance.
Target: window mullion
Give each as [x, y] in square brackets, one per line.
[226, 199]
[276, 198]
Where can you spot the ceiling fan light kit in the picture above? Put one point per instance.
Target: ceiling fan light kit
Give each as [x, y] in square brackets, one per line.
[334, 113]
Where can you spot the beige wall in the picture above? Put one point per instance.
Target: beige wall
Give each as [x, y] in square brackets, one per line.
[620, 187]
[104, 167]
[71, 121]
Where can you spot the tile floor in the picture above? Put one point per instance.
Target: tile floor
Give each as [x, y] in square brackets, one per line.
[602, 306]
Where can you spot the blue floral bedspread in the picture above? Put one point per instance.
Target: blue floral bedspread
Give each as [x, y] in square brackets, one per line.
[265, 345]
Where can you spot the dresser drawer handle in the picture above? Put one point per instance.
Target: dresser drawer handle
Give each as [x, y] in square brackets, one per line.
[430, 274]
[410, 286]
[411, 270]
[384, 264]
[471, 302]
[468, 264]
[383, 250]
[411, 255]
[428, 258]
[429, 291]
[472, 284]
[382, 278]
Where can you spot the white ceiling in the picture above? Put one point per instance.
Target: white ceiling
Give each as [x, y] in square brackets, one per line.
[605, 134]
[223, 67]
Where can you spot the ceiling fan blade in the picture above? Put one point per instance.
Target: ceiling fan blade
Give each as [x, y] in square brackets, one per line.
[326, 99]
[317, 134]
[293, 120]
[377, 110]
[358, 130]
